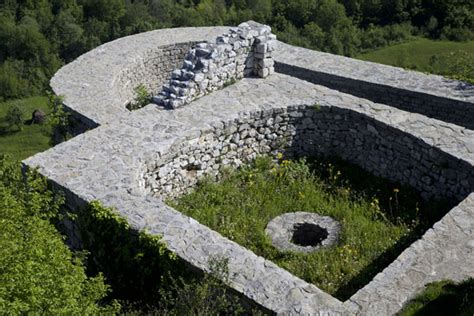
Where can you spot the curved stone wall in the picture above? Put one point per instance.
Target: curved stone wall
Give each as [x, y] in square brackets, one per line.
[134, 155]
[315, 131]
[151, 70]
[106, 76]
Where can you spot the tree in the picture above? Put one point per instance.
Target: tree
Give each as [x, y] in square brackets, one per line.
[14, 117]
[39, 274]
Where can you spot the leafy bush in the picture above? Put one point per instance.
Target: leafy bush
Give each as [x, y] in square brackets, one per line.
[58, 119]
[38, 273]
[14, 117]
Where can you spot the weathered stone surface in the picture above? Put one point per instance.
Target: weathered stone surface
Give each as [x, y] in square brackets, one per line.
[434, 96]
[135, 158]
[322, 232]
[242, 51]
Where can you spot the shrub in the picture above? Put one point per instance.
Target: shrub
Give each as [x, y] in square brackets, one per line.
[142, 98]
[14, 117]
[58, 119]
[38, 273]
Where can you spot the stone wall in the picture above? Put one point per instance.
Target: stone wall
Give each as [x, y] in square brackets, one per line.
[132, 156]
[383, 91]
[152, 71]
[315, 131]
[245, 50]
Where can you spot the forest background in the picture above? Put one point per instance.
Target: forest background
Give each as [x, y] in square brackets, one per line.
[37, 37]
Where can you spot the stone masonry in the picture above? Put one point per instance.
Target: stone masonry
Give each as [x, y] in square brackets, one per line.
[243, 51]
[131, 160]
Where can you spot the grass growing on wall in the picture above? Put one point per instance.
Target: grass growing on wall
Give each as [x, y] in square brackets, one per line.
[378, 218]
[21, 144]
[451, 59]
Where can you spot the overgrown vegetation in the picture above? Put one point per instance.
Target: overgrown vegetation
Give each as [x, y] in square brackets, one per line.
[133, 273]
[37, 37]
[378, 218]
[38, 273]
[443, 298]
[449, 59]
[145, 277]
[14, 117]
[58, 119]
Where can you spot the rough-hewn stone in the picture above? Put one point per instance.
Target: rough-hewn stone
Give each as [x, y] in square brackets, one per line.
[282, 231]
[134, 158]
[244, 50]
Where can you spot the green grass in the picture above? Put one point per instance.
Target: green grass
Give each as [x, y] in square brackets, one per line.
[443, 298]
[451, 59]
[33, 138]
[378, 218]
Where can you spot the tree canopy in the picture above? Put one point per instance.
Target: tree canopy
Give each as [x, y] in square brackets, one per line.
[38, 273]
[37, 37]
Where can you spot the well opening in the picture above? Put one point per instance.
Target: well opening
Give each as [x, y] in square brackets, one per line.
[308, 234]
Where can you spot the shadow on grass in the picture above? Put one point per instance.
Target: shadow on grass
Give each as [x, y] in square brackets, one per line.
[412, 208]
[443, 298]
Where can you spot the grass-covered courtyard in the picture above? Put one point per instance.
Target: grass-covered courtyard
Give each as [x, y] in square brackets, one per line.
[379, 218]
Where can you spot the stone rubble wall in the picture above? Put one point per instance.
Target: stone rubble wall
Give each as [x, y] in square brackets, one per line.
[434, 96]
[105, 78]
[245, 50]
[152, 71]
[307, 131]
[115, 162]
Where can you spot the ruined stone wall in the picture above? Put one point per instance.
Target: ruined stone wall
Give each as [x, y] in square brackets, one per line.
[153, 70]
[315, 131]
[132, 156]
[245, 50]
[383, 89]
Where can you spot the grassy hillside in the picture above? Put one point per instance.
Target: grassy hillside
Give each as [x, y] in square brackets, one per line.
[451, 59]
[32, 138]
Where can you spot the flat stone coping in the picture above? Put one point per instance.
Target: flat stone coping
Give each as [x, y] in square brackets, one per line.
[94, 92]
[281, 230]
[108, 164]
[373, 73]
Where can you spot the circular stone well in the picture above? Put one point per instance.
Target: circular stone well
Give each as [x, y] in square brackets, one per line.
[302, 231]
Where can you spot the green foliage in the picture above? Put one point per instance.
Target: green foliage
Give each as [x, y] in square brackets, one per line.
[378, 218]
[38, 273]
[135, 264]
[449, 59]
[145, 277]
[37, 37]
[229, 82]
[32, 138]
[142, 98]
[58, 119]
[14, 117]
[443, 298]
[207, 295]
